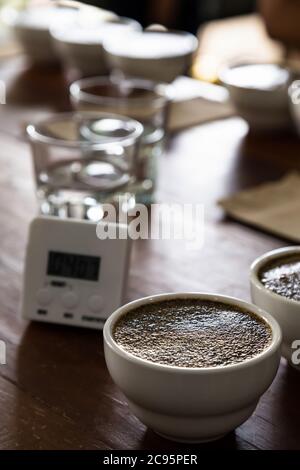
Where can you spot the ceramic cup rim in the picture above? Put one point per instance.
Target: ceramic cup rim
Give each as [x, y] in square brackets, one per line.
[225, 69]
[177, 32]
[267, 352]
[263, 260]
[57, 32]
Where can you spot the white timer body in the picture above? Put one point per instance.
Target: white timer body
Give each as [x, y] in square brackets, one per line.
[71, 276]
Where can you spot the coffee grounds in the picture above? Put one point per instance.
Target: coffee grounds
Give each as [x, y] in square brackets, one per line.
[192, 333]
[283, 277]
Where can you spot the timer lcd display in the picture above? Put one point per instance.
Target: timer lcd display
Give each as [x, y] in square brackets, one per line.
[73, 266]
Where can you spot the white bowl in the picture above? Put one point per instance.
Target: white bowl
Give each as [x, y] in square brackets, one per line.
[285, 311]
[31, 28]
[191, 404]
[259, 93]
[154, 55]
[80, 46]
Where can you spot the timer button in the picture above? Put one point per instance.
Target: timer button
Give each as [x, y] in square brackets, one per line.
[70, 300]
[95, 303]
[44, 296]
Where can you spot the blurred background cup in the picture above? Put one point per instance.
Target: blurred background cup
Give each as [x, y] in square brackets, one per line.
[143, 100]
[30, 26]
[259, 93]
[154, 54]
[79, 42]
[66, 32]
[81, 162]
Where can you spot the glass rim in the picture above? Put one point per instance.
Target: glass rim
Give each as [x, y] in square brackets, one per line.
[35, 134]
[163, 91]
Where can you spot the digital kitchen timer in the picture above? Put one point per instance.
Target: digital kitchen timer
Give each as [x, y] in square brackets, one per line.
[71, 276]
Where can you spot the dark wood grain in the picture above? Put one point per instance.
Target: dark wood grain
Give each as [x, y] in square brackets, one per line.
[55, 391]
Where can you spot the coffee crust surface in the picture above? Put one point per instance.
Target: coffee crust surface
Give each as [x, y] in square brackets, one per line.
[192, 333]
[283, 277]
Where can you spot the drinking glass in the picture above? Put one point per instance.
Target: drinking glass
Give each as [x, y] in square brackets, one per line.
[143, 100]
[81, 162]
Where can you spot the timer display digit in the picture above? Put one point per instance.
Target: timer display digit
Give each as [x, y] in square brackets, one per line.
[73, 266]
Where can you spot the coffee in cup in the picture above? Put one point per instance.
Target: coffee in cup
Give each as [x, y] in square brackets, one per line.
[282, 276]
[192, 333]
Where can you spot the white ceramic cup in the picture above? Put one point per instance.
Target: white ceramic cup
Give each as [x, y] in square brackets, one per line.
[81, 47]
[30, 27]
[151, 64]
[261, 99]
[191, 404]
[285, 311]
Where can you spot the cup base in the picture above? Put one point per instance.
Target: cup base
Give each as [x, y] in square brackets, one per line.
[84, 206]
[192, 429]
[191, 441]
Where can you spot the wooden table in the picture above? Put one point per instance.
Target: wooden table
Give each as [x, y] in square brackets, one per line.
[55, 391]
